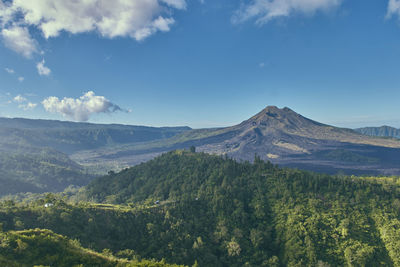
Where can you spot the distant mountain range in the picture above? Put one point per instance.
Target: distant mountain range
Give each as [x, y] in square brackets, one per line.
[383, 131]
[279, 135]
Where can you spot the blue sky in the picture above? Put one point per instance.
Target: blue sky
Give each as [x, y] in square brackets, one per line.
[200, 63]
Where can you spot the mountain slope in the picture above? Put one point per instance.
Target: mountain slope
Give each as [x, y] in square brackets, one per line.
[383, 131]
[279, 135]
[69, 137]
[43, 171]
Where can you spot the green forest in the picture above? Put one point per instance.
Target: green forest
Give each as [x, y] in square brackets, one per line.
[197, 209]
[43, 171]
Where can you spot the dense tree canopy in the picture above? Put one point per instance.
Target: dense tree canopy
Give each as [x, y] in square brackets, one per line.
[193, 208]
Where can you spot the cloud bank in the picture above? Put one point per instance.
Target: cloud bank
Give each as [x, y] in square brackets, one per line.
[82, 108]
[266, 10]
[137, 19]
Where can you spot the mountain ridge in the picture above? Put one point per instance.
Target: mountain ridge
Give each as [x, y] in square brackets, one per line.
[382, 131]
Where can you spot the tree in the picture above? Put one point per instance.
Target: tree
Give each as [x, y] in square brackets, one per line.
[233, 248]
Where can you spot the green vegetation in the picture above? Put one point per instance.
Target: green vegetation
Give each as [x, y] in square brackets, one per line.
[44, 248]
[190, 208]
[348, 156]
[43, 171]
[35, 154]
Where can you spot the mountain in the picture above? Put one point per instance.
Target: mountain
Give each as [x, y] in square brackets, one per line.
[383, 131]
[279, 135]
[186, 207]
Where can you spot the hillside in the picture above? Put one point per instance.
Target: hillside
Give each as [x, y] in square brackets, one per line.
[41, 171]
[383, 131]
[279, 135]
[188, 207]
[69, 137]
[35, 154]
[45, 248]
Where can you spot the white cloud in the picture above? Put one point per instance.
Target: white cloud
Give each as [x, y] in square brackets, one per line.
[27, 106]
[179, 4]
[11, 71]
[21, 79]
[137, 19]
[82, 108]
[42, 69]
[393, 8]
[18, 39]
[19, 99]
[266, 10]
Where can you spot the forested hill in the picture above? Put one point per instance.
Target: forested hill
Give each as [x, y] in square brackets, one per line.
[383, 131]
[45, 170]
[229, 213]
[189, 208]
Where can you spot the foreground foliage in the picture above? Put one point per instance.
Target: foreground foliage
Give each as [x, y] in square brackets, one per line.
[214, 211]
[43, 247]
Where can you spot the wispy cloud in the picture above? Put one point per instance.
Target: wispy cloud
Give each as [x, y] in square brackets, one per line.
[11, 71]
[82, 108]
[42, 69]
[27, 106]
[23, 103]
[19, 99]
[266, 10]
